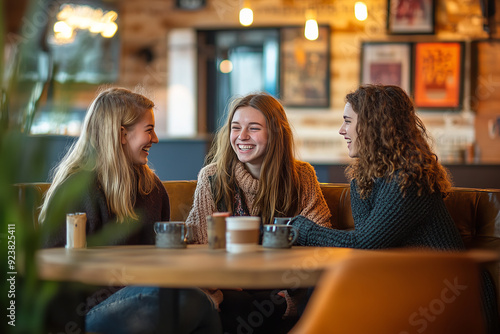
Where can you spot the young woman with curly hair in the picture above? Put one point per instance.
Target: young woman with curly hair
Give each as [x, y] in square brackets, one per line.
[252, 171]
[397, 183]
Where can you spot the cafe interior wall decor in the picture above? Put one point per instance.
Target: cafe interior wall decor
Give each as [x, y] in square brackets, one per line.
[386, 63]
[305, 69]
[438, 75]
[407, 17]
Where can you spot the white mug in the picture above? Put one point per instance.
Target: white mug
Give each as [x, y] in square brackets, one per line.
[242, 234]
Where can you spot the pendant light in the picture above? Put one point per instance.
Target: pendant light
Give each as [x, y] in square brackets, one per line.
[246, 15]
[311, 30]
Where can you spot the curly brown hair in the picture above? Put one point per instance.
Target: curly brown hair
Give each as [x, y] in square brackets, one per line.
[392, 139]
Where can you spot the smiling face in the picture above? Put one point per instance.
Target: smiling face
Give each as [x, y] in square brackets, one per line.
[348, 130]
[137, 140]
[249, 137]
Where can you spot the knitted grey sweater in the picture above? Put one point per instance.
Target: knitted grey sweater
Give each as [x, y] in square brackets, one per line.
[388, 219]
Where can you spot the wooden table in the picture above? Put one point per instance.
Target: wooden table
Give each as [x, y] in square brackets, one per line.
[198, 266]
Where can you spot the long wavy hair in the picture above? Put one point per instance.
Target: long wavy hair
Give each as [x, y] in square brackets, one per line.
[392, 138]
[99, 149]
[279, 191]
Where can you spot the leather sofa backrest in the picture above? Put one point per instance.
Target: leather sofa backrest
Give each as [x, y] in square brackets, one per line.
[476, 212]
[181, 194]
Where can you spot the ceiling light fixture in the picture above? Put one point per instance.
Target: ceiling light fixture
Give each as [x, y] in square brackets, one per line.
[311, 30]
[360, 11]
[246, 15]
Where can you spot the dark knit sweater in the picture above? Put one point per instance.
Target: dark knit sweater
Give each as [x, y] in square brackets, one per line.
[82, 192]
[387, 219]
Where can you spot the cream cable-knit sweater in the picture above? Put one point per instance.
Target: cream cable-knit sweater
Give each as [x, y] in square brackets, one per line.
[313, 203]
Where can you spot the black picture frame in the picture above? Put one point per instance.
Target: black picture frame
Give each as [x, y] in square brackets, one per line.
[190, 4]
[411, 17]
[305, 68]
[387, 63]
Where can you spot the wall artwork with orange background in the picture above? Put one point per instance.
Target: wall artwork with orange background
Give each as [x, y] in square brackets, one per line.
[438, 71]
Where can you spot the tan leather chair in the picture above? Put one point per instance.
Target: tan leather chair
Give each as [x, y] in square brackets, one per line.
[397, 292]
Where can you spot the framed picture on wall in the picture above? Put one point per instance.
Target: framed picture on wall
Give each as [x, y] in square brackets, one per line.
[438, 72]
[386, 63]
[305, 68]
[407, 17]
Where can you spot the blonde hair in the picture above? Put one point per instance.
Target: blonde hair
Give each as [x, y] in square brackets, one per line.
[99, 150]
[279, 188]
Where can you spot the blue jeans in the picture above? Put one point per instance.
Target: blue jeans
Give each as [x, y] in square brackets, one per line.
[135, 309]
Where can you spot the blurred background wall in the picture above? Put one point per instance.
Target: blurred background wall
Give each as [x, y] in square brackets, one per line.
[160, 45]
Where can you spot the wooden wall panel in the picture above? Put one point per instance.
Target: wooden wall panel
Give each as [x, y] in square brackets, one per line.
[489, 146]
[485, 85]
[485, 96]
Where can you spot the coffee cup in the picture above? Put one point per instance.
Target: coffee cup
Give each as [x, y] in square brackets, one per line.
[190, 238]
[216, 230]
[170, 234]
[75, 230]
[279, 236]
[242, 234]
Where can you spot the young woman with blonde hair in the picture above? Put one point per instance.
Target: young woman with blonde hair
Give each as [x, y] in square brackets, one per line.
[106, 176]
[252, 171]
[103, 149]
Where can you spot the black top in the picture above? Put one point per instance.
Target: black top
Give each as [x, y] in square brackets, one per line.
[82, 192]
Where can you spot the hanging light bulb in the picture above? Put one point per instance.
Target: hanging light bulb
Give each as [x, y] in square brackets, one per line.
[226, 66]
[311, 30]
[246, 16]
[360, 11]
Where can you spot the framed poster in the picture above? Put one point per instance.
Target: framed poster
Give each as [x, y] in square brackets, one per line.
[438, 71]
[305, 68]
[386, 63]
[407, 17]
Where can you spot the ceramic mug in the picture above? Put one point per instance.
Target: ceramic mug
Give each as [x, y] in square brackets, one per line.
[170, 234]
[282, 220]
[279, 236]
[216, 230]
